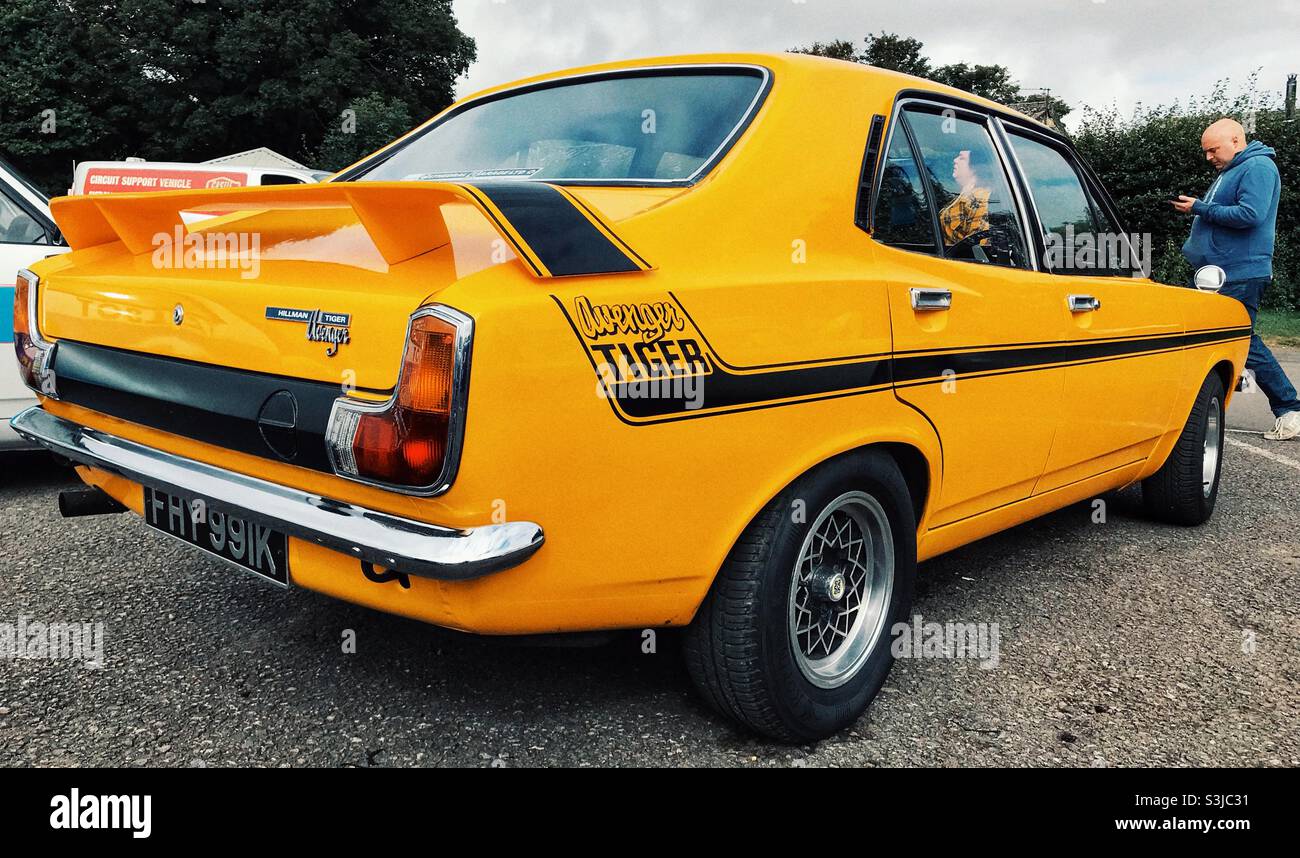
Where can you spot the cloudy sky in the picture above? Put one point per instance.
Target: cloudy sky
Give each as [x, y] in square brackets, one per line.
[1094, 52]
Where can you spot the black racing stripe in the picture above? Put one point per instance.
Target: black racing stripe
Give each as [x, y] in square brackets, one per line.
[564, 240]
[724, 389]
[933, 366]
[483, 202]
[1128, 338]
[728, 390]
[1200, 338]
[216, 405]
[623, 245]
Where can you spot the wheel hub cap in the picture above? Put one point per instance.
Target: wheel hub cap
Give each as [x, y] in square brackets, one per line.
[840, 589]
[828, 587]
[1212, 448]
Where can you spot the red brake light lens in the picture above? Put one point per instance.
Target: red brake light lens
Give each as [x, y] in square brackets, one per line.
[410, 442]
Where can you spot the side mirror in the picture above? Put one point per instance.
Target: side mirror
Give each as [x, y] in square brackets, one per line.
[1210, 278]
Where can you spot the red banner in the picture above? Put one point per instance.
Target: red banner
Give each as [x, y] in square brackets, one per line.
[120, 180]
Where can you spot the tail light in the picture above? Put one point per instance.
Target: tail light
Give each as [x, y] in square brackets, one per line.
[35, 355]
[411, 443]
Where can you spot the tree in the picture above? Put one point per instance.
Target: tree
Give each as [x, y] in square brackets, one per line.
[191, 81]
[836, 50]
[890, 51]
[366, 125]
[886, 51]
[906, 55]
[991, 82]
[56, 91]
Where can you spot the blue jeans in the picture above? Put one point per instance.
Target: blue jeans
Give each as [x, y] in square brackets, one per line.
[1268, 373]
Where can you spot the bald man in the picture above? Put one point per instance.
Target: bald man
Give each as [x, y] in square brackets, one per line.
[1233, 228]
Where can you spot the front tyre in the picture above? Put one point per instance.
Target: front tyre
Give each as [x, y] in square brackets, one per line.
[1186, 488]
[793, 640]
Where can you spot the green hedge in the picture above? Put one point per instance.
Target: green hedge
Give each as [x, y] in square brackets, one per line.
[1155, 155]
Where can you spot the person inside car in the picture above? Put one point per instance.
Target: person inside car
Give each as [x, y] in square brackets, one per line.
[968, 214]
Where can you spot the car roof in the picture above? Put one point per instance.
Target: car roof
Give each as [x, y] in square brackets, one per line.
[782, 65]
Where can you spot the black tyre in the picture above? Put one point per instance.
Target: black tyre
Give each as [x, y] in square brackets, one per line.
[798, 658]
[1185, 489]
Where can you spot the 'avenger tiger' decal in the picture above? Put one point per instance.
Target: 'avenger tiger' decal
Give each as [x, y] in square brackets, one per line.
[653, 364]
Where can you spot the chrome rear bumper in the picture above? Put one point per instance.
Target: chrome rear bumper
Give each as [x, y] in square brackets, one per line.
[399, 544]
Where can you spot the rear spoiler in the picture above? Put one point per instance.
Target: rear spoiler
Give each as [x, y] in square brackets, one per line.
[551, 230]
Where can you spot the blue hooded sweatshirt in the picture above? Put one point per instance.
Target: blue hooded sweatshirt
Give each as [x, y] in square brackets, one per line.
[1234, 224]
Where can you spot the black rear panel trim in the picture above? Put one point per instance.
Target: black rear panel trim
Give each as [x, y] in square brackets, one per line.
[213, 404]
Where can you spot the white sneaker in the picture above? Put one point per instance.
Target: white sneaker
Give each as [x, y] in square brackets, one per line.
[1288, 427]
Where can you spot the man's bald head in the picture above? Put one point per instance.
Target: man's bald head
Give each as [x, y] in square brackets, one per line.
[1222, 141]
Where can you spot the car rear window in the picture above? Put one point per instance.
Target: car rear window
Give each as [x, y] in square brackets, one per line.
[642, 127]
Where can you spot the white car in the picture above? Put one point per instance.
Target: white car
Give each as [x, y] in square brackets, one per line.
[27, 234]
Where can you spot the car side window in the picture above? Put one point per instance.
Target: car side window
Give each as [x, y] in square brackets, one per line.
[1116, 257]
[903, 217]
[16, 226]
[1078, 238]
[969, 187]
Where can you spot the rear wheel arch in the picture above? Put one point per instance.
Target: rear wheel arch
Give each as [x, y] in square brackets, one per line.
[911, 461]
[914, 464]
[915, 450]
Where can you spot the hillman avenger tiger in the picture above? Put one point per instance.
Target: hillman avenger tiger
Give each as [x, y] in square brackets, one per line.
[851, 268]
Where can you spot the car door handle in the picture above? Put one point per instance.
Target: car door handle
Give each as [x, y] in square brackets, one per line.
[931, 299]
[1083, 303]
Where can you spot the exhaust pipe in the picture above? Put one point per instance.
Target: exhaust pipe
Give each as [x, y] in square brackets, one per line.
[76, 503]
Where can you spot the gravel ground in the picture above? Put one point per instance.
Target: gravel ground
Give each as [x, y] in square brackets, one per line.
[1121, 644]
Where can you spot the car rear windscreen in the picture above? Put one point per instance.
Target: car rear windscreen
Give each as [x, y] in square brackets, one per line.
[665, 126]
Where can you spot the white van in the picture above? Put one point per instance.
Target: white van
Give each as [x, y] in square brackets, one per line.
[125, 177]
[27, 234]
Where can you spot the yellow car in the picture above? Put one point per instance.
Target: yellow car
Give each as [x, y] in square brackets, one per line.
[721, 342]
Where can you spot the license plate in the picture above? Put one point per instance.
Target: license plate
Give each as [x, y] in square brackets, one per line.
[252, 546]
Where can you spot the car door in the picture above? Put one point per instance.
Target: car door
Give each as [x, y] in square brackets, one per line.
[27, 234]
[1124, 369]
[967, 307]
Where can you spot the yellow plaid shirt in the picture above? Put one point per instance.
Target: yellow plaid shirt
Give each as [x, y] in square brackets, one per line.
[965, 216]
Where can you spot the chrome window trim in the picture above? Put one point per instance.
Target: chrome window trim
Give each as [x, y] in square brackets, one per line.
[987, 119]
[1020, 189]
[464, 348]
[877, 183]
[765, 85]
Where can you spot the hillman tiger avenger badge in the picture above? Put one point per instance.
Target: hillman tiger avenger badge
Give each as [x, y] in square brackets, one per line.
[331, 328]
